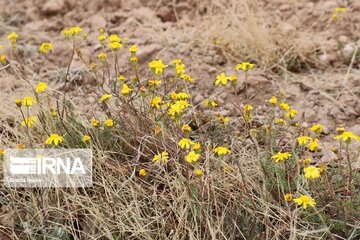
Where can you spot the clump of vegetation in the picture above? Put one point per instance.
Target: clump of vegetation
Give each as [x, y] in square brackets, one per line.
[163, 169]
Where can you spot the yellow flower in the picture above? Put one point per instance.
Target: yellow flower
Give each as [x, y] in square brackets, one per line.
[102, 38]
[280, 121]
[28, 101]
[12, 37]
[86, 138]
[233, 78]
[177, 107]
[347, 136]
[186, 128]
[273, 101]
[121, 78]
[173, 95]
[291, 113]
[155, 102]
[198, 172]
[222, 150]
[161, 157]
[94, 122]
[313, 145]
[142, 173]
[154, 83]
[221, 78]
[114, 38]
[102, 56]
[285, 106]
[53, 112]
[41, 87]
[134, 59]
[248, 112]
[340, 10]
[115, 45]
[312, 172]
[303, 140]
[3, 59]
[281, 156]
[54, 139]
[133, 49]
[209, 103]
[192, 157]
[304, 201]
[125, 90]
[182, 96]
[288, 197]
[223, 120]
[340, 130]
[109, 122]
[177, 61]
[45, 47]
[105, 97]
[307, 161]
[317, 128]
[28, 121]
[18, 102]
[93, 66]
[186, 78]
[244, 66]
[180, 69]
[75, 31]
[157, 66]
[185, 143]
[196, 146]
[2, 152]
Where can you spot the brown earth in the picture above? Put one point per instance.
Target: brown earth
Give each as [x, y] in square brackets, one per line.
[295, 45]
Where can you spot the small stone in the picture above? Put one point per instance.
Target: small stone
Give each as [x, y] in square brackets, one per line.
[348, 51]
[343, 39]
[147, 51]
[53, 7]
[355, 129]
[198, 99]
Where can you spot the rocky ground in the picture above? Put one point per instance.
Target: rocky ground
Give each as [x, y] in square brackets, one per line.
[295, 45]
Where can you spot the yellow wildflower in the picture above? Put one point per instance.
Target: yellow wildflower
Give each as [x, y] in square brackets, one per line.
[313, 145]
[306, 161]
[102, 38]
[182, 96]
[105, 97]
[134, 59]
[303, 140]
[196, 146]
[28, 101]
[288, 197]
[133, 49]
[273, 101]
[161, 157]
[285, 106]
[109, 122]
[114, 38]
[192, 157]
[280, 121]
[233, 78]
[54, 139]
[281, 156]
[121, 78]
[2, 152]
[3, 59]
[94, 122]
[198, 172]
[248, 112]
[12, 37]
[186, 128]
[304, 200]
[347, 136]
[155, 102]
[317, 128]
[221, 78]
[125, 90]
[291, 113]
[222, 150]
[223, 120]
[186, 78]
[28, 121]
[312, 172]
[142, 173]
[45, 47]
[86, 138]
[154, 83]
[157, 66]
[18, 102]
[244, 66]
[185, 143]
[209, 103]
[102, 56]
[41, 87]
[75, 31]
